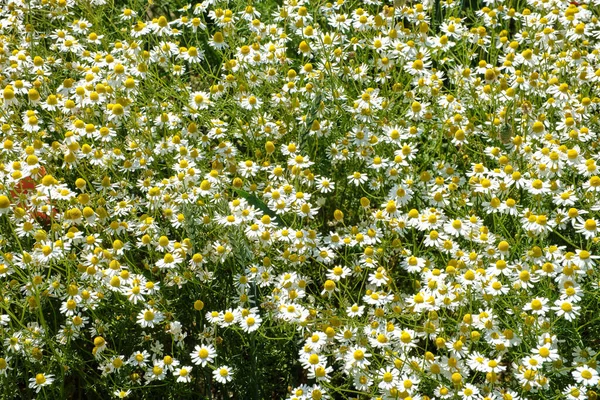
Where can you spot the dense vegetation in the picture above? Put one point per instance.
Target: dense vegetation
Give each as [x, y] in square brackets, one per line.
[299, 199]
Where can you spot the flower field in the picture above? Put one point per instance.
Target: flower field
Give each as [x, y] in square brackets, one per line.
[300, 199]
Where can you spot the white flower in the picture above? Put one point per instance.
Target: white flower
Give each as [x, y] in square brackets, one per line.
[149, 317]
[230, 317]
[357, 357]
[355, 310]
[538, 306]
[565, 308]
[139, 358]
[223, 374]
[4, 205]
[203, 355]
[324, 185]
[121, 394]
[169, 261]
[589, 228]
[546, 353]
[183, 374]
[389, 378]
[357, 178]
[317, 340]
[586, 375]
[200, 100]
[4, 367]
[250, 323]
[338, 272]
[573, 392]
[251, 103]
[39, 381]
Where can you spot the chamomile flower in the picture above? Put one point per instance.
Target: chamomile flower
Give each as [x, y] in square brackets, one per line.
[40, 380]
[149, 317]
[355, 310]
[203, 355]
[251, 102]
[200, 101]
[183, 374]
[357, 358]
[121, 394]
[586, 376]
[469, 392]
[339, 272]
[357, 178]
[325, 185]
[223, 374]
[139, 358]
[566, 309]
[537, 306]
[588, 228]
[250, 323]
[389, 378]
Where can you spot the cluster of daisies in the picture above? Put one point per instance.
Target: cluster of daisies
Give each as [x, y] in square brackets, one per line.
[405, 195]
